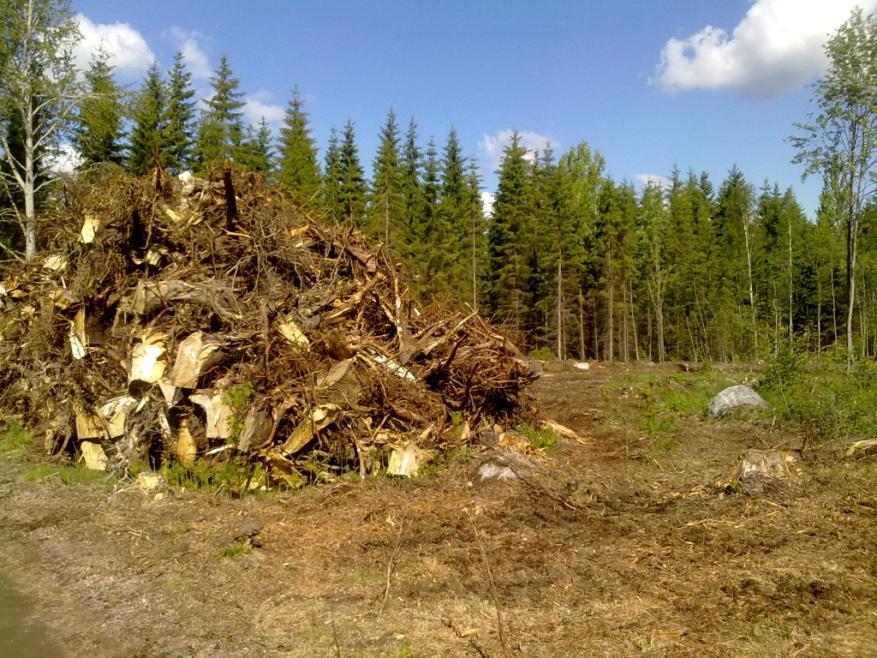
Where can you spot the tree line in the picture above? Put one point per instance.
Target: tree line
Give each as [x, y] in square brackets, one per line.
[569, 260]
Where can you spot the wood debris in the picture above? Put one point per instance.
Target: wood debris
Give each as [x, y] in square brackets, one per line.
[172, 326]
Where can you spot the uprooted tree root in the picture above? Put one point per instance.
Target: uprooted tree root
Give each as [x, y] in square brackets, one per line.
[164, 324]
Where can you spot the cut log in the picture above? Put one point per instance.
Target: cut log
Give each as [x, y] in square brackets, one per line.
[196, 354]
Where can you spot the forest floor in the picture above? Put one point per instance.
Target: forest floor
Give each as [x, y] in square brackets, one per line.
[618, 546]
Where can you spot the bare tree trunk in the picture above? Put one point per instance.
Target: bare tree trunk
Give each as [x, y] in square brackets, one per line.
[833, 304]
[30, 225]
[659, 326]
[852, 229]
[633, 320]
[776, 321]
[751, 287]
[791, 283]
[818, 314]
[625, 331]
[649, 331]
[691, 339]
[610, 310]
[581, 326]
[594, 326]
[560, 342]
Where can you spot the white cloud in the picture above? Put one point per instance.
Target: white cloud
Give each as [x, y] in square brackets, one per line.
[188, 42]
[64, 161]
[654, 179]
[494, 145]
[487, 200]
[128, 50]
[777, 46]
[257, 106]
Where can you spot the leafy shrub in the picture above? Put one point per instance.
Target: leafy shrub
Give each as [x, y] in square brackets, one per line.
[542, 354]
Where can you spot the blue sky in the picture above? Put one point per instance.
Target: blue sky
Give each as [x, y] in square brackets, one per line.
[702, 84]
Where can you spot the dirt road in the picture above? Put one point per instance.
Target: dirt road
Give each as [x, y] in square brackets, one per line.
[617, 547]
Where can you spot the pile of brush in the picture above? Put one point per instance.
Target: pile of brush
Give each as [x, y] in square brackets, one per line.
[184, 319]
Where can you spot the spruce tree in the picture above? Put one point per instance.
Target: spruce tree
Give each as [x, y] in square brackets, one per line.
[507, 233]
[615, 245]
[386, 200]
[476, 244]
[333, 179]
[146, 149]
[427, 242]
[581, 179]
[256, 152]
[221, 131]
[653, 226]
[299, 173]
[352, 189]
[179, 118]
[735, 241]
[98, 135]
[453, 219]
[408, 237]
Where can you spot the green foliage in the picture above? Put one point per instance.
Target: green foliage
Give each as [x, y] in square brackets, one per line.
[542, 354]
[238, 397]
[68, 475]
[840, 143]
[540, 438]
[784, 370]
[663, 401]
[179, 118]
[256, 152]
[236, 549]
[14, 438]
[299, 173]
[99, 123]
[509, 233]
[333, 179]
[38, 98]
[232, 477]
[820, 398]
[221, 131]
[386, 198]
[351, 184]
[146, 149]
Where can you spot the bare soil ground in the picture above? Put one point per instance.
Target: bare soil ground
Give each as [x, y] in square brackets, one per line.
[617, 547]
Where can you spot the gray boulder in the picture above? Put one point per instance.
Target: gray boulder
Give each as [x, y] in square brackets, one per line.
[734, 397]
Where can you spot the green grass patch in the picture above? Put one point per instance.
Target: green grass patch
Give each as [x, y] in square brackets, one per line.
[69, 475]
[236, 549]
[233, 477]
[14, 439]
[540, 438]
[655, 403]
[818, 397]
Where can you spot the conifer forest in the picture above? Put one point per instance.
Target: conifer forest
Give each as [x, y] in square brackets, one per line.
[568, 260]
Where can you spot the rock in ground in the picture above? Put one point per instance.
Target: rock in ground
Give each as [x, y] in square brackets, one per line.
[734, 397]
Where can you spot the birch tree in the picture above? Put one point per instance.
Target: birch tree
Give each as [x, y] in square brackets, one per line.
[39, 87]
[840, 142]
